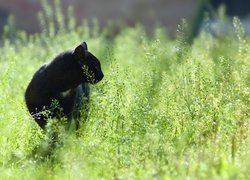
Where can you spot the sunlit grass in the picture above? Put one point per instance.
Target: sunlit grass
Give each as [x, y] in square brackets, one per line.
[165, 109]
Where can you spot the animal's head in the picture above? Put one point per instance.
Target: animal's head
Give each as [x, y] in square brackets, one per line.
[90, 65]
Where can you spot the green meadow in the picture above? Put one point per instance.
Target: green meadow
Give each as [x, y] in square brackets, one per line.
[166, 109]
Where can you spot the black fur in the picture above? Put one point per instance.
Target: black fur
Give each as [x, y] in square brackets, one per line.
[64, 80]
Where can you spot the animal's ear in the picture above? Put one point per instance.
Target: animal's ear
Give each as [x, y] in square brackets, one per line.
[84, 45]
[80, 51]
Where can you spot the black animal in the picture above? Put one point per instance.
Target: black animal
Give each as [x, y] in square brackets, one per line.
[65, 80]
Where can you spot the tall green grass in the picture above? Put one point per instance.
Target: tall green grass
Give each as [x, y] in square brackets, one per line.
[165, 109]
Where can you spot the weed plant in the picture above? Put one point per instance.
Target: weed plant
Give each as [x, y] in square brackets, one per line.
[165, 109]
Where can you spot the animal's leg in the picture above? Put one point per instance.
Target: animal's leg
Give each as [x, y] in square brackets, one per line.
[82, 104]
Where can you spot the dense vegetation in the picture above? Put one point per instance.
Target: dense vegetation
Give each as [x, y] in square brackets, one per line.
[165, 109]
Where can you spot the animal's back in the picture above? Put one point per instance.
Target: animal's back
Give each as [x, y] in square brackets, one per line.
[35, 94]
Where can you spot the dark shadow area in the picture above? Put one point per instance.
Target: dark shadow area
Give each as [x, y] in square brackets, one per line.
[240, 8]
[3, 19]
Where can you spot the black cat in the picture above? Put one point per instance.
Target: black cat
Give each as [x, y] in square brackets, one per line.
[64, 81]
